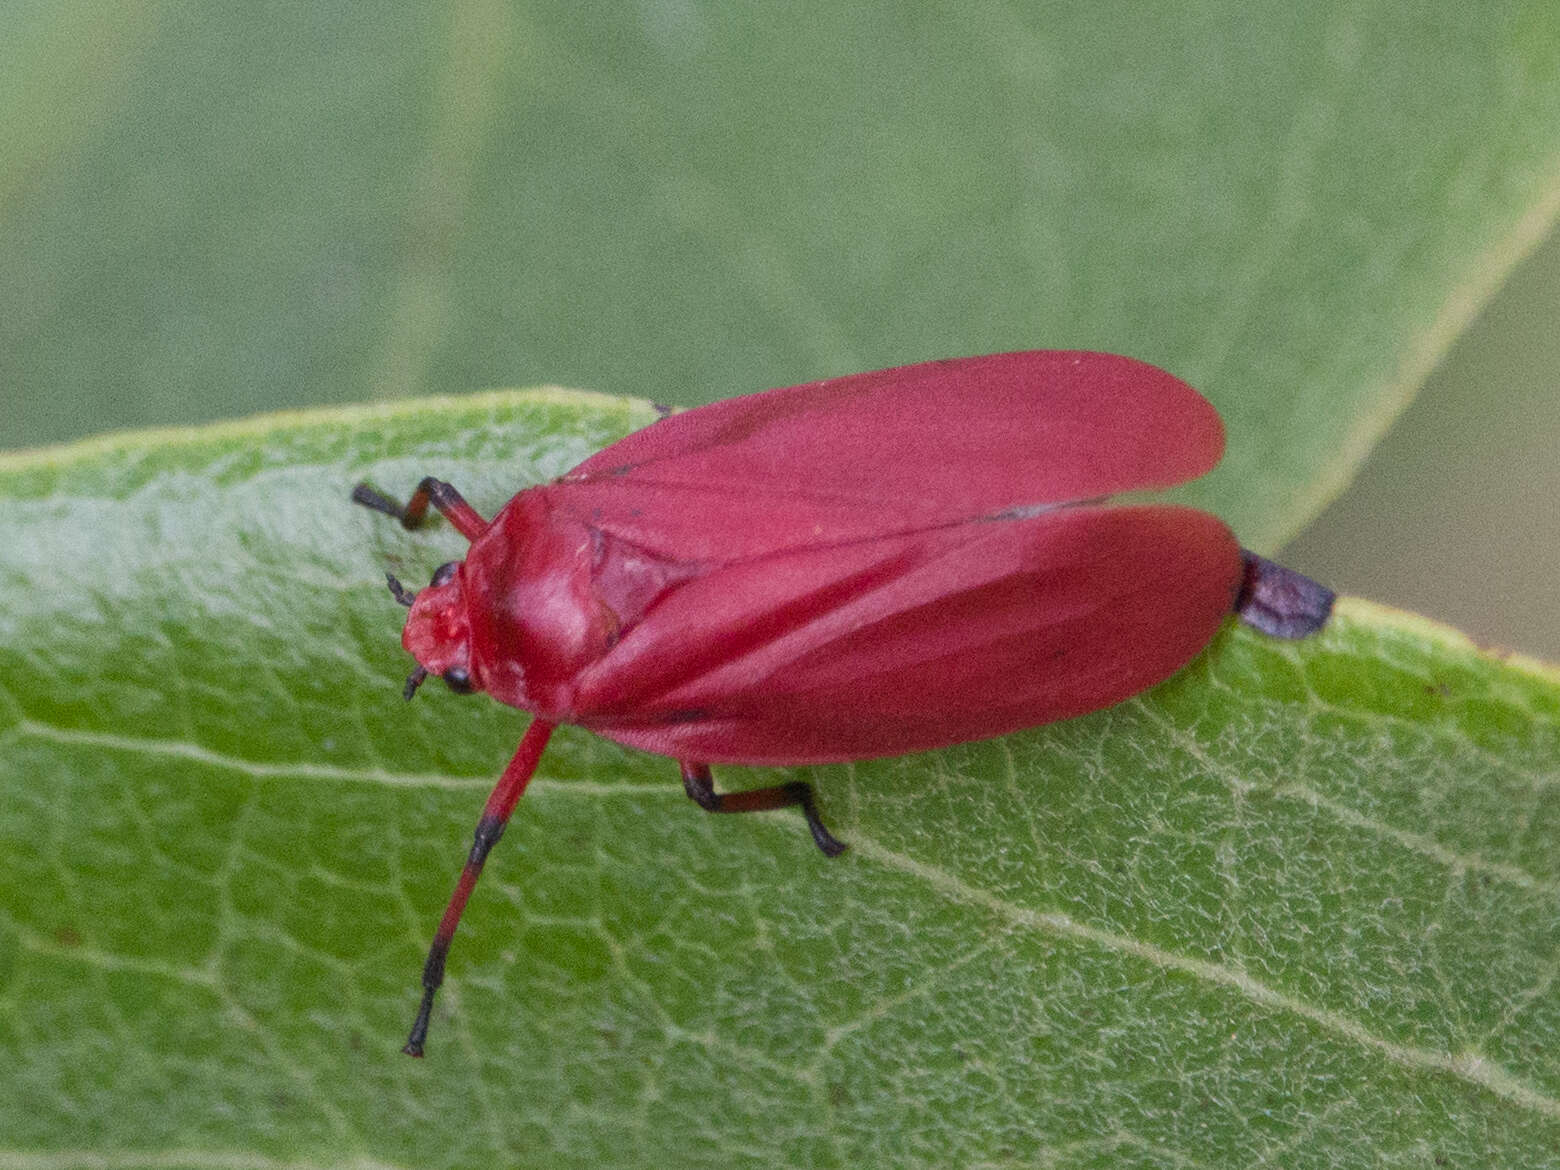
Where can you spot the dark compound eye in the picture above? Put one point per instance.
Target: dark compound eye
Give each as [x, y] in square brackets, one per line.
[445, 573]
[458, 679]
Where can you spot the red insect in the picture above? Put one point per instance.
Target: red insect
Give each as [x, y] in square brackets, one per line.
[859, 567]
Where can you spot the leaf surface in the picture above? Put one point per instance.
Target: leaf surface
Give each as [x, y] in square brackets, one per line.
[1295, 907]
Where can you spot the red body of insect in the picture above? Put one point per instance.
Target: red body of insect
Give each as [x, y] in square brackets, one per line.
[858, 567]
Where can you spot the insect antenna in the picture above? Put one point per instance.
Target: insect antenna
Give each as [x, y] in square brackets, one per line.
[400, 592]
[413, 681]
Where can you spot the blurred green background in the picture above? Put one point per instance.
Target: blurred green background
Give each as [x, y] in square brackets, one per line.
[210, 211]
[1454, 514]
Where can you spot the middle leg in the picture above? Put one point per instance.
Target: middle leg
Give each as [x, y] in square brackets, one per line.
[700, 787]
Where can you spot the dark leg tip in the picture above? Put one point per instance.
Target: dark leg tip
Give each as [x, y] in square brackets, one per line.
[370, 497]
[827, 842]
[419, 1034]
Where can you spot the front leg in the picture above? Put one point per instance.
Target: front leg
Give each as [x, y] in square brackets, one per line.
[700, 787]
[433, 491]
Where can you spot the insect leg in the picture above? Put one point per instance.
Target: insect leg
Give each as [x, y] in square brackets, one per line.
[490, 827]
[430, 491]
[700, 787]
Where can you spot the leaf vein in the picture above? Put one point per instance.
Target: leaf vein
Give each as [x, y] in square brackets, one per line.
[301, 770]
[1469, 1066]
[1421, 843]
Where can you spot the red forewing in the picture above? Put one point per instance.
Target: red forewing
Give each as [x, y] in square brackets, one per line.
[899, 449]
[916, 640]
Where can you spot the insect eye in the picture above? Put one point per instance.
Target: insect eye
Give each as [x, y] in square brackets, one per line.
[458, 679]
[445, 573]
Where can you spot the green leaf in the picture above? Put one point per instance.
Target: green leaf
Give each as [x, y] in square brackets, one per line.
[215, 209]
[1295, 907]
